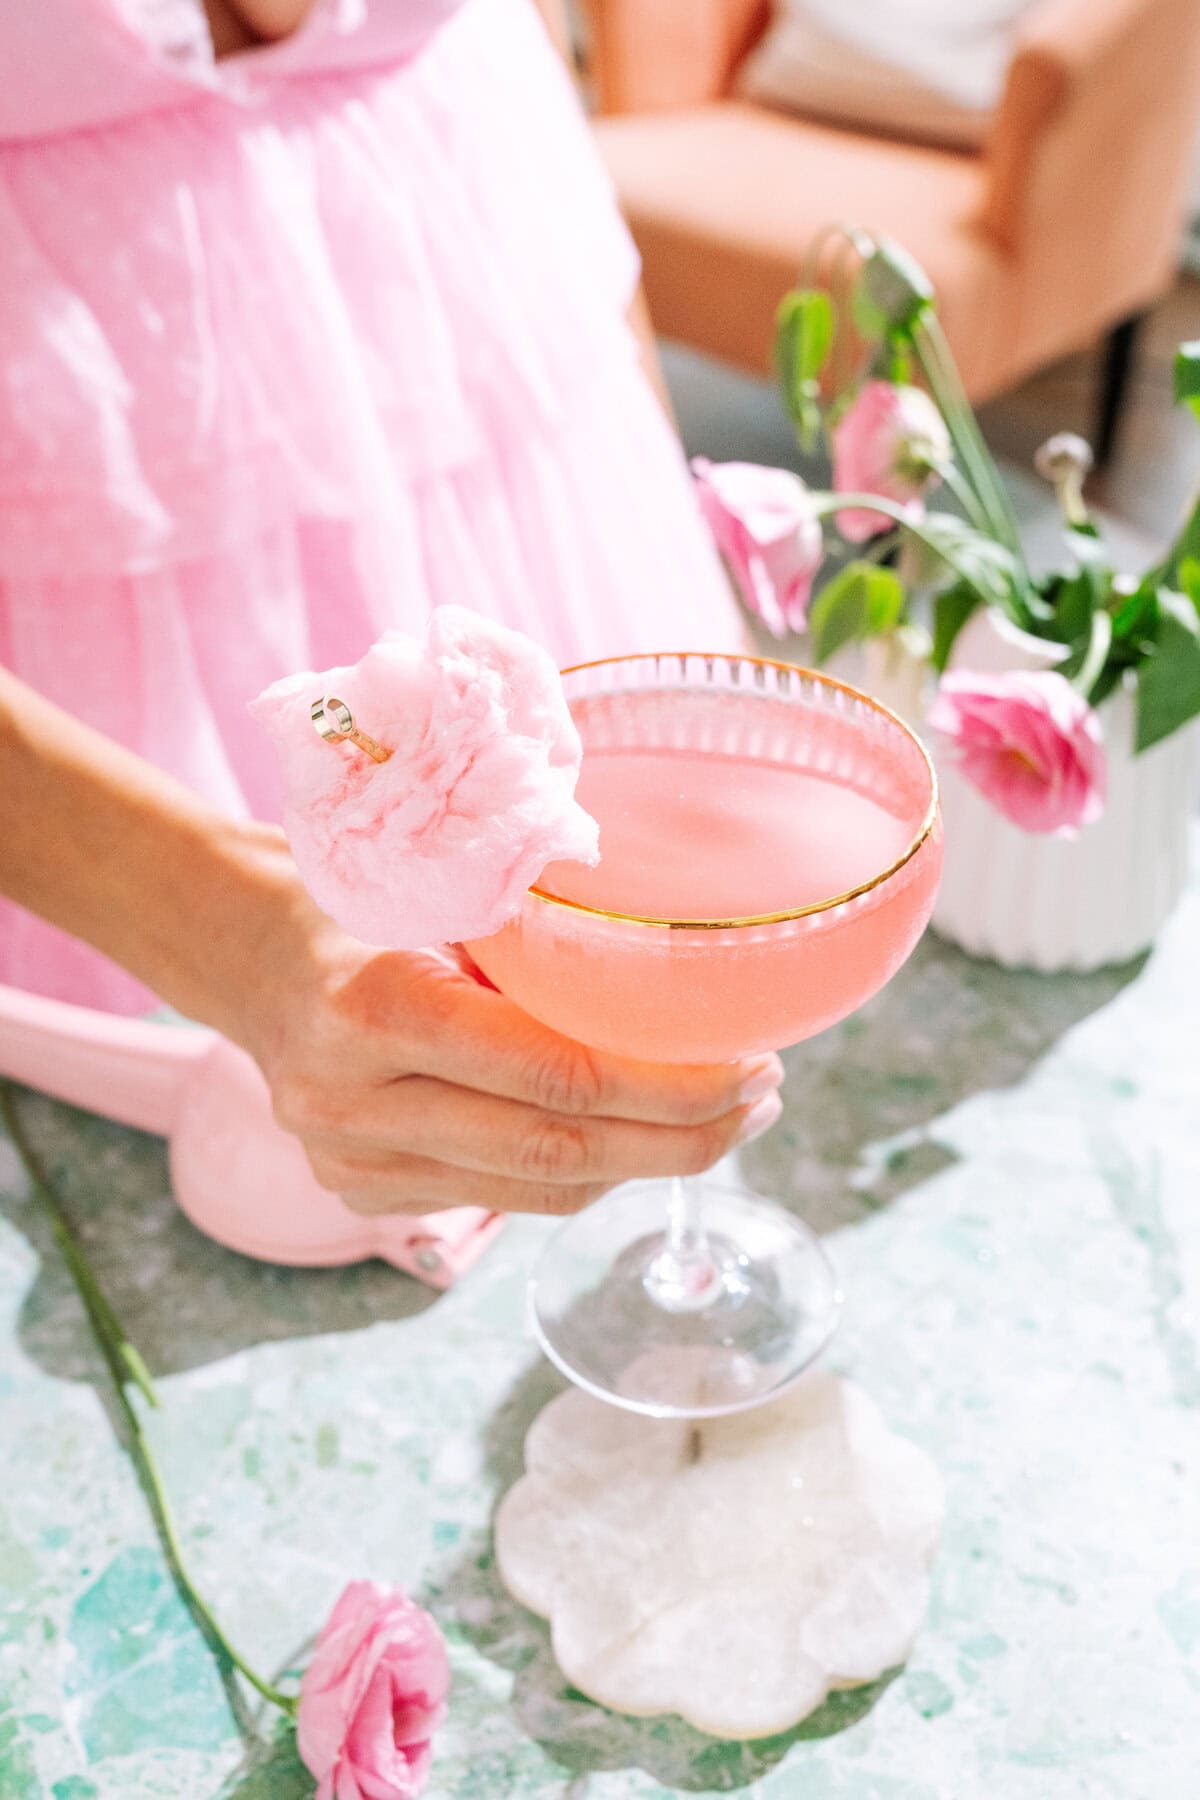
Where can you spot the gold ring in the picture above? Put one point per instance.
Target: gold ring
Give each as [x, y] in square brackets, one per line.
[334, 721]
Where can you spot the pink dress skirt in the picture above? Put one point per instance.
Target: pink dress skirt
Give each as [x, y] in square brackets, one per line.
[294, 347]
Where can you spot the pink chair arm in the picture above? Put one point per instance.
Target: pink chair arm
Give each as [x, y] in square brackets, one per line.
[1095, 130]
[650, 54]
[554, 18]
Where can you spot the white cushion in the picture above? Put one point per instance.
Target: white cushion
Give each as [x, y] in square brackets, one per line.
[932, 70]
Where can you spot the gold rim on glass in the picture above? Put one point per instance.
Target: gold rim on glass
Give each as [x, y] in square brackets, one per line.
[799, 912]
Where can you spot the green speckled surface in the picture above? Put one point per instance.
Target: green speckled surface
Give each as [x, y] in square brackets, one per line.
[1009, 1170]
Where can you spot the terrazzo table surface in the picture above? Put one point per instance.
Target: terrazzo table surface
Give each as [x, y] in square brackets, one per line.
[1008, 1169]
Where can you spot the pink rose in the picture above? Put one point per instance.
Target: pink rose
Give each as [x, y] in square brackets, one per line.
[763, 523]
[1028, 742]
[891, 442]
[372, 1697]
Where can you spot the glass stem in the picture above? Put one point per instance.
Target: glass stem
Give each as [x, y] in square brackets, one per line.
[684, 1275]
[685, 1220]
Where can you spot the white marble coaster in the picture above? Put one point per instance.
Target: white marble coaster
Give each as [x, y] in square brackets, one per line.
[731, 1570]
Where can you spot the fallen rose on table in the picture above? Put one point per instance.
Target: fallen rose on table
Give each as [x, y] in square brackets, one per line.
[375, 1691]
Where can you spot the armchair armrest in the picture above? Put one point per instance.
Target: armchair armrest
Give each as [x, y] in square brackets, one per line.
[1096, 124]
[651, 54]
[554, 18]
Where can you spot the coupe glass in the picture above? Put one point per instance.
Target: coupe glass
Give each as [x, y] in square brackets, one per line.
[725, 1304]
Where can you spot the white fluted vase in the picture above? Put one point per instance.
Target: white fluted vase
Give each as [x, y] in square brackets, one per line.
[1028, 900]
[887, 669]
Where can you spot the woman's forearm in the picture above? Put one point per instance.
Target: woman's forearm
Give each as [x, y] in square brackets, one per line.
[410, 1085]
[110, 849]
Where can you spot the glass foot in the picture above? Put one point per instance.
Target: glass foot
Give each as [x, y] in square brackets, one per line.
[604, 1316]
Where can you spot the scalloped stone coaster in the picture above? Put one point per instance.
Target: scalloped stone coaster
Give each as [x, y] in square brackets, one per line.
[731, 1570]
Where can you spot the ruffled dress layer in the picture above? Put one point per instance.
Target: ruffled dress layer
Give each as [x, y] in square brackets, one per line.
[292, 355]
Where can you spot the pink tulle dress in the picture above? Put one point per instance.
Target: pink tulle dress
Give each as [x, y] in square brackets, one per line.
[294, 346]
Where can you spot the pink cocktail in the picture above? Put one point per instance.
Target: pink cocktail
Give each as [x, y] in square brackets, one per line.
[770, 852]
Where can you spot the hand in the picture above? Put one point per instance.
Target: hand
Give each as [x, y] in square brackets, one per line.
[413, 1087]
[410, 1085]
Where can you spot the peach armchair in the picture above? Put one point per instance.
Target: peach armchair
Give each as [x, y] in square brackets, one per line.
[1063, 228]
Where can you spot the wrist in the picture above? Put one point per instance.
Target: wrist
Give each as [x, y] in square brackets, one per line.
[208, 912]
[255, 947]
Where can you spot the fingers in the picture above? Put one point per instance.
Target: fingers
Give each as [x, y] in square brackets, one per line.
[415, 1088]
[461, 956]
[473, 1037]
[414, 1185]
[491, 1135]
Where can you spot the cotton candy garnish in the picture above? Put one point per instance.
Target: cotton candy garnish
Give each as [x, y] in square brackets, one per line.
[442, 841]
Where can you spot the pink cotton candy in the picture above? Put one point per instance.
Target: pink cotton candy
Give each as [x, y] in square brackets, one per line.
[440, 842]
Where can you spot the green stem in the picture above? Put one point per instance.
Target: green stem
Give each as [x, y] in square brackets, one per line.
[966, 496]
[990, 508]
[934, 355]
[826, 505]
[879, 547]
[1099, 644]
[810, 267]
[940, 371]
[849, 241]
[1186, 542]
[123, 1363]
[1069, 494]
[104, 1320]
[841, 284]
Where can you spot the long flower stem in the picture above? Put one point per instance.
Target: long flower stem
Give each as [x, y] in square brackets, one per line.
[1186, 543]
[826, 504]
[966, 496]
[937, 363]
[1099, 644]
[880, 548]
[123, 1362]
[990, 508]
[104, 1321]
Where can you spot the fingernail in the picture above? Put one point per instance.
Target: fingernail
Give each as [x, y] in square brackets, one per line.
[760, 1118]
[764, 1080]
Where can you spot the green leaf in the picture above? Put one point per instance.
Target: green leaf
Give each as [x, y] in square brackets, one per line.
[969, 553]
[1074, 605]
[860, 601]
[1071, 602]
[1169, 675]
[951, 610]
[1105, 683]
[1189, 578]
[803, 334]
[1187, 376]
[1136, 610]
[1185, 547]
